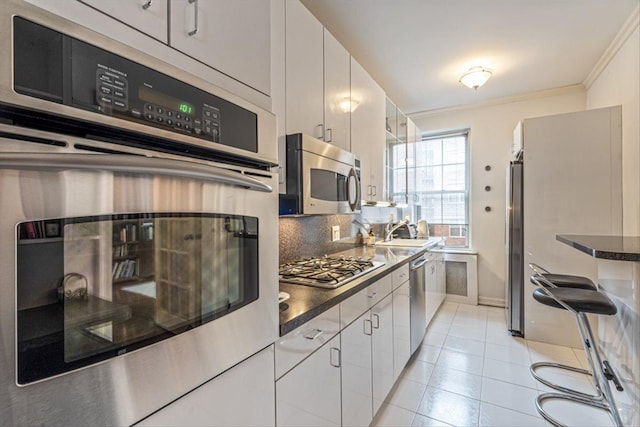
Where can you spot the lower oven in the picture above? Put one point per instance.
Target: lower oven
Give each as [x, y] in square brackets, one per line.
[127, 277]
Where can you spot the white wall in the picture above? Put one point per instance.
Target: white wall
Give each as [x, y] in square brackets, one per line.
[490, 139]
[619, 84]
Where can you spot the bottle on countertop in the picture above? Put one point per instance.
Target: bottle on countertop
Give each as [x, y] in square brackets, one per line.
[371, 238]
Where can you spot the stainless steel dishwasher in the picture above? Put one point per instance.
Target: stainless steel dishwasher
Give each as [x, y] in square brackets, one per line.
[417, 280]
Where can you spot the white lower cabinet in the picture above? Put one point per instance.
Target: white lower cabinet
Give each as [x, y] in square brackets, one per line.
[242, 396]
[382, 350]
[367, 344]
[346, 380]
[357, 388]
[431, 290]
[441, 277]
[401, 328]
[309, 394]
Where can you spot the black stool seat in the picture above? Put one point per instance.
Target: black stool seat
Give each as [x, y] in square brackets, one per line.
[570, 281]
[580, 300]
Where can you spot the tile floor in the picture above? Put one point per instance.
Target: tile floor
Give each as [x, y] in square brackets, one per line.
[470, 372]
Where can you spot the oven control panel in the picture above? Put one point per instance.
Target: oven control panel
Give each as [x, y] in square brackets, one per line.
[157, 108]
[81, 75]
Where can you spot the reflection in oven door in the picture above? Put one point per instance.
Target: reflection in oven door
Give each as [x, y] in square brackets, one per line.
[123, 287]
[170, 273]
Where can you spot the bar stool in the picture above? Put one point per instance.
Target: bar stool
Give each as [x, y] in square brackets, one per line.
[563, 280]
[580, 302]
[552, 280]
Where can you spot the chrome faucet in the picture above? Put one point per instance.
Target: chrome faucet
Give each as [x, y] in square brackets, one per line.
[389, 229]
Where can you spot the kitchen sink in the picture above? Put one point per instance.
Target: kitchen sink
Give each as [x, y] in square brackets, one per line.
[407, 243]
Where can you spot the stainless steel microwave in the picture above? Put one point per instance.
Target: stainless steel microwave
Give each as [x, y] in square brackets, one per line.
[321, 178]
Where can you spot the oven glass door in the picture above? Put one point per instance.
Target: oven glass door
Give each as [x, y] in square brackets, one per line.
[92, 288]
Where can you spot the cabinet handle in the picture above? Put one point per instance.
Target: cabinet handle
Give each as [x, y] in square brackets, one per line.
[312, 335]
[328, 138]
[321, 126]
[377, 325]
[147, 5]
[375, 190]
[369, 190]
[336, 351]
[372, 295]
[364, 327]
[195, 29]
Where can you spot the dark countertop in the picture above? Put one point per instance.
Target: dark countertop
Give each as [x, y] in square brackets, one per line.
[617, 248]
[306, 302]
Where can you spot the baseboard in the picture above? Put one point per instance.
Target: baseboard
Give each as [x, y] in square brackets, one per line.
[493, 302]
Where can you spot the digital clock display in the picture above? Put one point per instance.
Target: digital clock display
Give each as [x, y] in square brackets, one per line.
[186, 108]
[158, 98]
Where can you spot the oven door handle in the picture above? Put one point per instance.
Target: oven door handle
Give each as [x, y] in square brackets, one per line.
[137, 165]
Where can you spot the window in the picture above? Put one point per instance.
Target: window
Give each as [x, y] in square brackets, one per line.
[437, 183]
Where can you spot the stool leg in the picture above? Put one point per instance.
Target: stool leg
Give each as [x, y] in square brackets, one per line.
[594, 380]
[603, 380]
[603, 400]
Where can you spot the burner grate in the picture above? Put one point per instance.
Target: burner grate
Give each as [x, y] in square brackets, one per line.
[328, 272]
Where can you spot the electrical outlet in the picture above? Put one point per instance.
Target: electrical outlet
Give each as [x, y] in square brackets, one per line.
[335, 233]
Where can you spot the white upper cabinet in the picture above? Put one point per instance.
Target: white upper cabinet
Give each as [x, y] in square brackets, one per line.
[304, 71]
[234, 37]
[368, 131]
[337, 93]
[148, 16]
[317, 79]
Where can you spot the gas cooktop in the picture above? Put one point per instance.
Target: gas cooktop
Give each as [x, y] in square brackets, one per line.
[326, 272]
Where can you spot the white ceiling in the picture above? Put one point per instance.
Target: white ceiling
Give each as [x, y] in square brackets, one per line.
[417, 49]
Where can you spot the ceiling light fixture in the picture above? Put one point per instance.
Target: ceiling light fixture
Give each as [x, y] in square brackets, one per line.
[476, 77]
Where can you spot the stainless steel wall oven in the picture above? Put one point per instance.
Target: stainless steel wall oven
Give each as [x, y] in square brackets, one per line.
[136, 219]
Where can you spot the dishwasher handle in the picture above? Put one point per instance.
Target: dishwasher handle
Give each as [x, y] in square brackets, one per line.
[418, 263]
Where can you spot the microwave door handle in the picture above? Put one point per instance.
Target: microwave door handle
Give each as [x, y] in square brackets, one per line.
[139, 165]
[353, 201]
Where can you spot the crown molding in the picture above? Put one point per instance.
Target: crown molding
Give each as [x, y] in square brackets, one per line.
[616, 44]
[503, 100]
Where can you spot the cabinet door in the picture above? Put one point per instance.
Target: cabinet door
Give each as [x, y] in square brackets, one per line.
[432, 293]
[304, 71]
[148, 16]
[401, 329]
[368, 131]
[441, 279]
[382, 350]
[309, 394]
[411, 148]
[224, 400]
[357, 397]
[230, 36]
[337, 93]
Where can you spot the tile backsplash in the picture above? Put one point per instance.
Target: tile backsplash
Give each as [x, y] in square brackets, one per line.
[307, 236]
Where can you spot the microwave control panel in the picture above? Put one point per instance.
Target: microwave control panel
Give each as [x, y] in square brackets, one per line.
[56, 67]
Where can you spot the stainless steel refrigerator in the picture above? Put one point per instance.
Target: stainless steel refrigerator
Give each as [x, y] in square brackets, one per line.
[514, 245]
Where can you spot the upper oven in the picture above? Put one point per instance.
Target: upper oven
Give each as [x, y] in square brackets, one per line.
[137, 224]
[321, 178]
